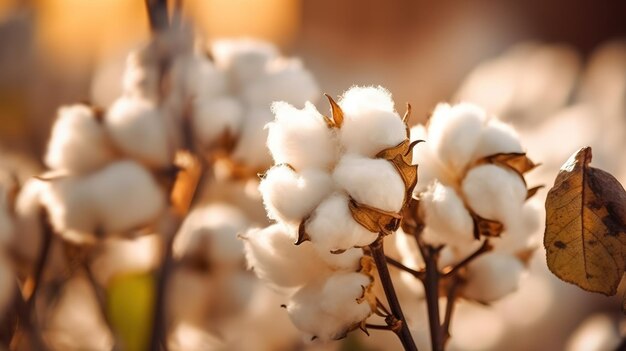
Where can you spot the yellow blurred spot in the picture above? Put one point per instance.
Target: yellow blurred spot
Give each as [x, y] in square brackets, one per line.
[130, 302]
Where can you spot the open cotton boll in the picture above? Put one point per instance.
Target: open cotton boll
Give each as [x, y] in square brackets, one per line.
[371, 131]
[211, 118]
[125, 196]
[349, 260]
[522, 232]
[331, 226]
[251, 149]
[446, 216]
[289, 196]
[307, 315]
[78, 142]
[360, 100]
[274, 257]
[206, 81]
[117, 256]
[69, 206]
[454, 132]
[141, 75]
[497, 137]
[430, 167]
[246, 59]
[493, 276]
[285, 81]
[373, 182]
[599, 332]
[138, 128]
[340, 294]
[213, 231]
[301, 138]
[494, 192]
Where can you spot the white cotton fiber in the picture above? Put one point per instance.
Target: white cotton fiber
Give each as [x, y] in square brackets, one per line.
[493, 276]
[446, 217]
[124, 196]
[27, 240]
[246, 59]
[373, 182]
[332, 227]
[211, 118]
[138, 129]
[274, 257]
[359, 100]
[430, 167]
[454, 133]
[494, 192]
[340, 294]
[497, 137]
[78, 142]
[251, 148]
[522, 231]
[289, 196]
[141, 75]
[349, 260]
[301, 138]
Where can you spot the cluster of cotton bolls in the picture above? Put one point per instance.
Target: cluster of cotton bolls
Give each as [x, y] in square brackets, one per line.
[472, 189]
[328, 172]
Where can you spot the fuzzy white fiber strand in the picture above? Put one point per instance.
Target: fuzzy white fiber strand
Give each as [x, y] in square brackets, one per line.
[492, 276]
[78, 142]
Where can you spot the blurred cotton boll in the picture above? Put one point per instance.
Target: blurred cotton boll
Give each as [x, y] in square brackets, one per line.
[597, 333]
[493, 276]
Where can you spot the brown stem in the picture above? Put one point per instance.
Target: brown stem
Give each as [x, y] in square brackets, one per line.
[157, 15]
[450, 303]
[485, 247]
[378, 253]
[431, 287]
[419, 274]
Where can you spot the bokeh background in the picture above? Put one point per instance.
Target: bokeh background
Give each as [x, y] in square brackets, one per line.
[538, 64]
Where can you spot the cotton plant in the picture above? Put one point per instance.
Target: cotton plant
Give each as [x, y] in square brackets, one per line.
[336, 190]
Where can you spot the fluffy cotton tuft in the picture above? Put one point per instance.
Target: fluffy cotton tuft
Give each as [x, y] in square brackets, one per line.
[448, 220]
[251, 148]
[211, 118]
[285, 80]
[78, 142]
[454, 132]
[274, 257]
[494, 192]
[373, 182]
[497, 137]
[245, 59]
[289, 196]
[492, 276]
[349, 260]
[138, 128]
[361, 100]
[331, 226]
[301, 138]
[141, 75]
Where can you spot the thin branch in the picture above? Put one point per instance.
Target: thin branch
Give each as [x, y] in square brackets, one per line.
[450, 303]
[431, 287]
[401, 329]
[485, 247]
[157, 15]
[417, 274]
[378, 327]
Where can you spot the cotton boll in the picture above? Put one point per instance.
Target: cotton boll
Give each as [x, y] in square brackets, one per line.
[454, 132]
[340, 296]
[446, 216]
[494, 192]
[211, 118]
[348, 260]
[492, 276]
[206, 81]
[373, 182]
[246, 59]
[331, 226]
[289, 196]
[274, 257]
[285, 80]
[78, 142]
[430, 166]
[359, 100]
[497, 137]
[596, 333]
[301, 138]
[138, 128]
[117, 256]
[26, 243]
[212, 231]
[141, 75]
[522, 232]
[251, 149]
[306, 314]
[125, 197]
[371, 131]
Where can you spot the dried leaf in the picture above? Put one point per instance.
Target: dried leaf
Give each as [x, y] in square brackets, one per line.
[533, 191]
[486, 227]
[373, 219]
[401, 156]
[585, 235]
[411, 220]
[516, 161]
[337, 113]
[302, 234]
[187, 181]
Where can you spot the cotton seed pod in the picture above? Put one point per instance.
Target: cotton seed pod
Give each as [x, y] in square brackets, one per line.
[301, 138]
[448, 221]
[138, 129]
[245, 59]
[78, 142]
[454, 132]
[251, 149]
[497, 137]
[328, 310]
[492, 276]
[274, 257]
[289, 196]
[373, 182]
[211, 118]
[285, 80]
[494, 192]
[331, 226]
[211, 232]
[370, 123]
